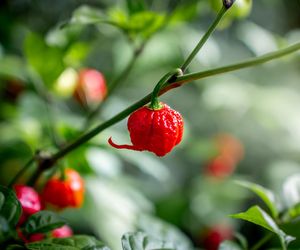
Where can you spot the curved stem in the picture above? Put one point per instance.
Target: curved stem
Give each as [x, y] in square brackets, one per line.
[22, 171]
[177, 82]
[164, 80]
[203, 39]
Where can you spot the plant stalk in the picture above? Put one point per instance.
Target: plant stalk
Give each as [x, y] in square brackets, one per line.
[203, 39]
[179, 81]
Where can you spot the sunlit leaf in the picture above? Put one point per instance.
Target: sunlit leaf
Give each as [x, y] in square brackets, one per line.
[163, 231]
[265, 194]
[258, 216]
[141, 241]
[291, 190]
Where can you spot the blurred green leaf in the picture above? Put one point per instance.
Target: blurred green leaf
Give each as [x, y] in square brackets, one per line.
[77, 242]
[43, 222]
[10, 207]
[45, 60]
[13, 67]
[163, 231]
[291, 190]
[241, 240]
[76, 54]
[144, 23]
[141, 241]
[87, 15]
[258, 216]
[4, 229]
[265, 194]
[135, 6]
[229, 245]
[185, 12]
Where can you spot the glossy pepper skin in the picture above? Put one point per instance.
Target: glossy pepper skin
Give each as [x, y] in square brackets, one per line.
[154, 130]
[64, 193]
[29, 199]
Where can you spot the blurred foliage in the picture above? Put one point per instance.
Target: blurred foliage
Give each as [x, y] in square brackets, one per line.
[170, 199]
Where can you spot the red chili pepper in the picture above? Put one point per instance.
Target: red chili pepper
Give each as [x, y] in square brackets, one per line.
[64, 193]
[62, 232]
[29, 199]
[91, 87]
[154, 130]
[30, 238]
[214, 236]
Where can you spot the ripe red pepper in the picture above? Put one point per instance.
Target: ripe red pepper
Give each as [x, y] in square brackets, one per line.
[154, 130]
[29, 199]
[230, 152]
[62, 193]
[62, 232]
[215, 235]
[30, 238]
[91, 87]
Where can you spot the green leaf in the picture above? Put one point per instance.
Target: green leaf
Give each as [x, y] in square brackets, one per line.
[43, 222]
[241, 240]
[258, 216]
[163, 231]
[13, 67]
[291, 190]
[142, 241]
[77, 242]
[10, 207]
[87, 15]
[5, 232]
[76, 54]
[135, 6]
[229, 245]
[45, 60]
[143, 24]
[266, 195]
[185, 12]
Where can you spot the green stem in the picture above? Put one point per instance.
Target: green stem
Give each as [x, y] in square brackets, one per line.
[31, 182]
[164, 80]
[241, 65]
[22, 171]
[203, 39]
[178, 81]
[262, 241]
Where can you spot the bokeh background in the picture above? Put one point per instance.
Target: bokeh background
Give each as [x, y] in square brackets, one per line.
[253, 114]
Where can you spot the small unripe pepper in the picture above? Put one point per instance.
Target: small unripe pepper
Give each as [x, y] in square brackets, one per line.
[155, 130]
[64, 192]
[29, 199]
